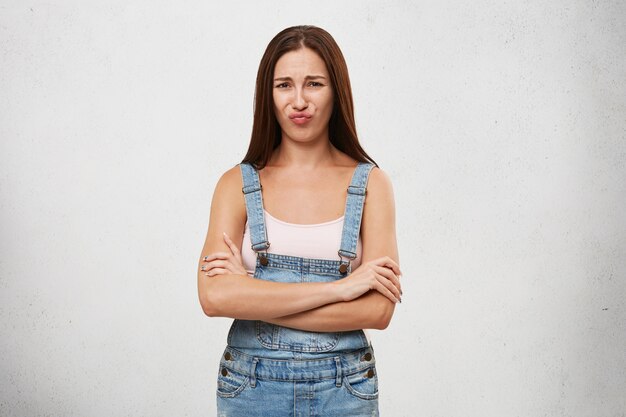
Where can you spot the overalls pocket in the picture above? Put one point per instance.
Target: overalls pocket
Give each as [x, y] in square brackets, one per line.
[230, 383]
[363, 384]
[276, 337]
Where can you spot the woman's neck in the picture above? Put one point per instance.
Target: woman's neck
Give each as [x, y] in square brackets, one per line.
[304, 155]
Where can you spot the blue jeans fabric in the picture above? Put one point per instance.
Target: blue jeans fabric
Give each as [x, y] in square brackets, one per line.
[345, 384]
[271, 370]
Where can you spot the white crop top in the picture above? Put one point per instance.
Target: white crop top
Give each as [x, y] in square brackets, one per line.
[319, 240]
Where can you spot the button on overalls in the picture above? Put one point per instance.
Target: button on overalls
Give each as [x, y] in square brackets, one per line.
[268, 370]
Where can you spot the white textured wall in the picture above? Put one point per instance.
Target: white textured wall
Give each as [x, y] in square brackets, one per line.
[502, 125]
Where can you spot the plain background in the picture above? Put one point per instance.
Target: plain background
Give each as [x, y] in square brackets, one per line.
[501, 124]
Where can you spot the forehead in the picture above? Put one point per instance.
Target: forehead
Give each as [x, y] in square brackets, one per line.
[303, 61]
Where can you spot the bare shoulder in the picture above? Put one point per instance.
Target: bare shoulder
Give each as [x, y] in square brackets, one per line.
[228, 190]
[378, 226]
[379, 186]
[228, 212]
[230, 180]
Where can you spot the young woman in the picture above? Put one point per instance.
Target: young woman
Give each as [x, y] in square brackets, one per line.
[314, 217]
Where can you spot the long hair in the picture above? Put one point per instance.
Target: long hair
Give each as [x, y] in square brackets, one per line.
[266, 132]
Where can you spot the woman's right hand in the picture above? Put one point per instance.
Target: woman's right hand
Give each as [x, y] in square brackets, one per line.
[378, 274]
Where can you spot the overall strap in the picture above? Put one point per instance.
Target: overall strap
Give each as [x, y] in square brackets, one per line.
[354, 211]
[254, 206]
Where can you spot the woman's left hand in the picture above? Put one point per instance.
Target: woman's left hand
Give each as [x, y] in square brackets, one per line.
[221, 263]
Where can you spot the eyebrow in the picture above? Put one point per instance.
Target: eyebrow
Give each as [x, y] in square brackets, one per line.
[308, 77]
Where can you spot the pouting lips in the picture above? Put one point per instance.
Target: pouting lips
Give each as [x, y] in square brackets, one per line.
[300, 118]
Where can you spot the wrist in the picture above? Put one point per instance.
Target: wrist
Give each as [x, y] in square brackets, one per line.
[335, 290]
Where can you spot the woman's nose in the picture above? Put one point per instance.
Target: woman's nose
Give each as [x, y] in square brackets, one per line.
[299, 100]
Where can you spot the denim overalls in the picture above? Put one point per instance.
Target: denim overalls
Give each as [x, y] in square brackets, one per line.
[268, 370]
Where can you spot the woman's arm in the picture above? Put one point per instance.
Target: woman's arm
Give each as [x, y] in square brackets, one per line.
[378, 233]
[244, 297]
[241, 296]
[370, 311]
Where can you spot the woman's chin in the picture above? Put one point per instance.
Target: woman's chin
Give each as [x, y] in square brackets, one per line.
[303, 136]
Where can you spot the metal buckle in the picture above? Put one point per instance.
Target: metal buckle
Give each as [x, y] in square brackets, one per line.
[262, 255]
[343, 267]
[357, 190]
[251, 188]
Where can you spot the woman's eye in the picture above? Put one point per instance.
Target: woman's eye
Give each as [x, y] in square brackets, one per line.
[281, 85]
[315, 84]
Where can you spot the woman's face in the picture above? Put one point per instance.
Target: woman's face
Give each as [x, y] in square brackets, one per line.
[303, 96]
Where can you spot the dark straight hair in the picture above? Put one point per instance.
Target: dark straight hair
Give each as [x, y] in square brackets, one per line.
[266, 132]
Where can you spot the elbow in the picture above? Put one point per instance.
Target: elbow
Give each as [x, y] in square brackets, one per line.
[209, 310]
[208, 307]
[383, 323]
[384, 318]
[209, 302]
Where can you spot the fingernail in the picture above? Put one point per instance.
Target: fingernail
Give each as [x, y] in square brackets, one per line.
[400, 300]
[206, 257]
[401, 293]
